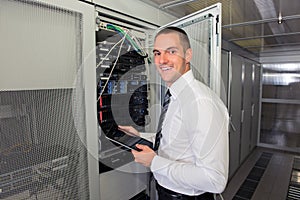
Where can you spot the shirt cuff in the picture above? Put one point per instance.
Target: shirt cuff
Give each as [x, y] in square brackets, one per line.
[148, 136]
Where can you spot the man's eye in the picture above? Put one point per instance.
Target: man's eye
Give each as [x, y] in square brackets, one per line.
[156, 53]
[172, 51]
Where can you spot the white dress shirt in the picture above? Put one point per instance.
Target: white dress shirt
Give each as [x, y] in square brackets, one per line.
[193, 153]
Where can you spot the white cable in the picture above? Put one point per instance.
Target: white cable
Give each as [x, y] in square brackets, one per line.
[220, 195]
[138, 42]
[113, 67]
[122, 39]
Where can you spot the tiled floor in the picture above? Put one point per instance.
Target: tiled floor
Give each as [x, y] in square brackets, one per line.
[274, 182]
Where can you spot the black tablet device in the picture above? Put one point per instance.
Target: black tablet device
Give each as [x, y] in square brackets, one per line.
[117, 136]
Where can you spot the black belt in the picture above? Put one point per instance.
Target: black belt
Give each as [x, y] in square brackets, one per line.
[165, 193]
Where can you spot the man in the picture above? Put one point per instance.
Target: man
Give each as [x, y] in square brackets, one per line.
[192, 158]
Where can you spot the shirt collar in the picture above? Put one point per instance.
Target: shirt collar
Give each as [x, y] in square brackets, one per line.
[181, 83]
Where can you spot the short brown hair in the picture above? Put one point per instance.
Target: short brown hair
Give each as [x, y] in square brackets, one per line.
[184, 39]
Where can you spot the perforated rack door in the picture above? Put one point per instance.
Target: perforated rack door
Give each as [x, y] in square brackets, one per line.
[43, 153]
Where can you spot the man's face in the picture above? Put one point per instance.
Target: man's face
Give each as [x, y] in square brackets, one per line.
[170, 58]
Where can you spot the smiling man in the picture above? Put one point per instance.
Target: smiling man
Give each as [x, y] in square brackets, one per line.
[190, 160]
[172, 55]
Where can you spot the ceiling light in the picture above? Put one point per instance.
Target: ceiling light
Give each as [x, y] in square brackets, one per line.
[174, 3]
[279, 18]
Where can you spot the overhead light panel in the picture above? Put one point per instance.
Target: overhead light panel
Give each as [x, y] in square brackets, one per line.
[174, 3]
[279, 18]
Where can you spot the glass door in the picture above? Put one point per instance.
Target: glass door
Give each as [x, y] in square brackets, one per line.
[280, 106]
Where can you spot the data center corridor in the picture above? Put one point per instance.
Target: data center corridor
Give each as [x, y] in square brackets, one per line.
[266, 175]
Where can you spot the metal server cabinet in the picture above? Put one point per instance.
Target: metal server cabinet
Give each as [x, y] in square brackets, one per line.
[47, 127]
[129, 90]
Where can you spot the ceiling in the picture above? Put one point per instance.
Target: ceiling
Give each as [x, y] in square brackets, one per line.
[258, 26]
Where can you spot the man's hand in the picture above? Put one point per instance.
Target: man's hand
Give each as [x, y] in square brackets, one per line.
[145, 156]
[129, 130]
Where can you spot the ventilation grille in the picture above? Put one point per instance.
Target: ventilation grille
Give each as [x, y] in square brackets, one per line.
[294, 186]
[248, 187]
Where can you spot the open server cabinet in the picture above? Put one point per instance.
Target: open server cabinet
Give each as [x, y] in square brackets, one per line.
[129, 89]
[57, 84]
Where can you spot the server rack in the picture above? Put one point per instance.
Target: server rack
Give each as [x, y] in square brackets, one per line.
[45, 123]
[122, 88]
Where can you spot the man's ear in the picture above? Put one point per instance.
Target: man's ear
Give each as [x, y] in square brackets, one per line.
[188, 55]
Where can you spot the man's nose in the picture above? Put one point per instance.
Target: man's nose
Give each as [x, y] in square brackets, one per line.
[163, 58]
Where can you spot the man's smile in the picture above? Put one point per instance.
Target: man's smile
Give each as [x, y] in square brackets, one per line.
[165, 68]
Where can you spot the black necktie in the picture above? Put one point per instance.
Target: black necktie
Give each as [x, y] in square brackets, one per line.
[161, 119]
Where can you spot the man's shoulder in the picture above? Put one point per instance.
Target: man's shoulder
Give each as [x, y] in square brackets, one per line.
[193, 91]
[200, 88]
